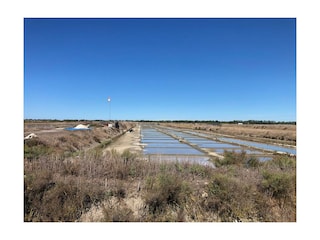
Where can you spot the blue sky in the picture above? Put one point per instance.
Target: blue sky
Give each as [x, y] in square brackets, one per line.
[160, 69]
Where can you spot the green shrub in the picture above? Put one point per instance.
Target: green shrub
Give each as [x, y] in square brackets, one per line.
[200, 170]
[282, 162]
[34, 148]
[253, 162]
[233, 158]
[230, 199]
[165, 189]
[237, 159]
[279, 185]
[128, 156]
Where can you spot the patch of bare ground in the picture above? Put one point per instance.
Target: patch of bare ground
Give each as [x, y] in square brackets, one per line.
[108, 210]
[128, 141]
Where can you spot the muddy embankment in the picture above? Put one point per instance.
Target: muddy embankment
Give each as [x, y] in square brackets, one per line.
[53, 138]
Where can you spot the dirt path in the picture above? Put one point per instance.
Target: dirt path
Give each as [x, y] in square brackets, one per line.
[129, 140]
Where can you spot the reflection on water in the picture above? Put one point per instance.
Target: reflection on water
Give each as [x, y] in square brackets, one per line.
[260, 145]
[217, 145]
[250, 143]
[166, 145]
[180, 146]
[172, 150]
[155, 140]
[160, 146]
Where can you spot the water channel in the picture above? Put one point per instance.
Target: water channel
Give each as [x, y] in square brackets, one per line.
[171, 144]
[160, 146]
[237, 143]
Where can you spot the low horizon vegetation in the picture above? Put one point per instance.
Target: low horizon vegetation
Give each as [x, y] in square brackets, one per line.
[173, 121]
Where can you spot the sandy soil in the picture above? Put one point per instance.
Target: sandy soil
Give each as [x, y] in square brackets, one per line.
[95, 214]
[128, 141]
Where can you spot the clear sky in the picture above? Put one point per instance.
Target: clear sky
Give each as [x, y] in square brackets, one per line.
[160, 69]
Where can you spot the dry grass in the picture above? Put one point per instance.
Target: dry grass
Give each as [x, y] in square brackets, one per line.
[59, 189]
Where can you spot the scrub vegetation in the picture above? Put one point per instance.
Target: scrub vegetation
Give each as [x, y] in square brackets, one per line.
[124, 187]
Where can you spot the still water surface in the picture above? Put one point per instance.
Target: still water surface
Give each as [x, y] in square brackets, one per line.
[158, 145]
